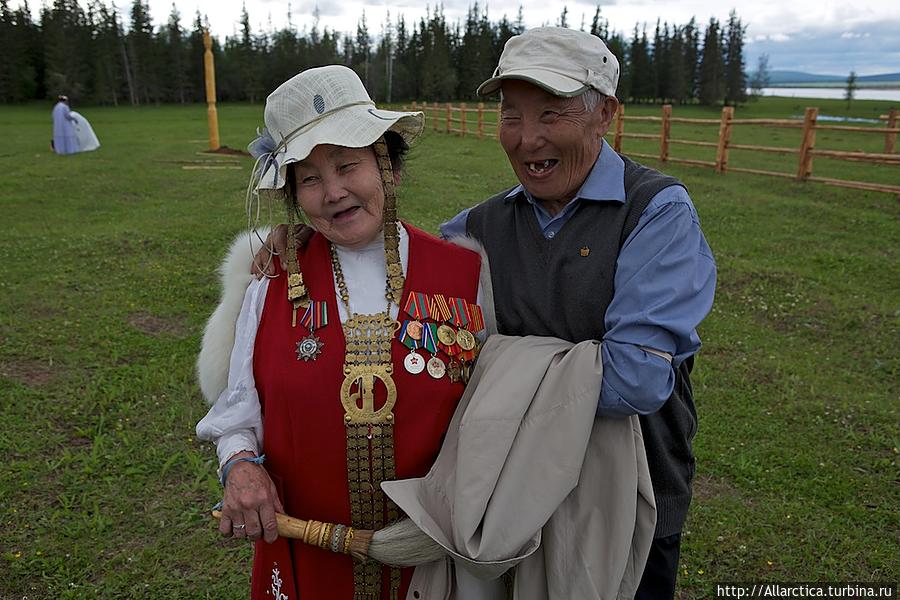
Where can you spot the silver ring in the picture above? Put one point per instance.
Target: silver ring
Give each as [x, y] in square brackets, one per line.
[241, 526]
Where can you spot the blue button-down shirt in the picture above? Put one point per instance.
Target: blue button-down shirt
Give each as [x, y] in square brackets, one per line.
[664, 285]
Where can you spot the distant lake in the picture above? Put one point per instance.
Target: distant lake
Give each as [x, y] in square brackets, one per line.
[832, 92]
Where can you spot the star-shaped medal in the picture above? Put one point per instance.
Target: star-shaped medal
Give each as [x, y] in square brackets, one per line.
[309, 348]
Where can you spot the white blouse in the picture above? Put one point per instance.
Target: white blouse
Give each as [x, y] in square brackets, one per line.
[234, 422]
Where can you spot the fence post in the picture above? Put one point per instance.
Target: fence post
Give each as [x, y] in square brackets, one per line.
[804, 166]
[620, 126]
[480, 120]
[414, 106]
[890, 139]
[449, 113]
[436, 113]
[497, 134]
[462, 119]
[665, 132]
[724, 139]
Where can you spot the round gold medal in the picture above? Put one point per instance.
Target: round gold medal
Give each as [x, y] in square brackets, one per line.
[436, 367]
[446, 335]
[465, 339]
[414, 330]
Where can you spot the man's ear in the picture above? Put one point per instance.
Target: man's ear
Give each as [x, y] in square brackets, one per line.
[607, 112]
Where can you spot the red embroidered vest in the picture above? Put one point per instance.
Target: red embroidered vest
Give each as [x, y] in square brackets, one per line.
[303, 419]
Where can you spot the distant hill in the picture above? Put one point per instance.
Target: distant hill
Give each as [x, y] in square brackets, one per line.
[880, 78]
[801, 79]
[783, 77]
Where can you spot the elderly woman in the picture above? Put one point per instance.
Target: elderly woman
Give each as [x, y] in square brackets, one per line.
[349, 359]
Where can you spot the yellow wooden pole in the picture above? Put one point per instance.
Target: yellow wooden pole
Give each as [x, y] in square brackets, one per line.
[620, 128]
[665, 133]
[724, 139]
[808, 142]
[890, 139]
[212, 116]
[481, 119]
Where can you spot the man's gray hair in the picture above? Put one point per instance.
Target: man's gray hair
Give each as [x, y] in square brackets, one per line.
[592, 99]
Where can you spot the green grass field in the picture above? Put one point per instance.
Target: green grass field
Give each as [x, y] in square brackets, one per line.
[108, 272]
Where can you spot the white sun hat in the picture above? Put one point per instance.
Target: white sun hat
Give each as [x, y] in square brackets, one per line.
[324, 105]
[562, 61]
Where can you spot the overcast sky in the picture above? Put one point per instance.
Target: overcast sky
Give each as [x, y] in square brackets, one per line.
[819, 36]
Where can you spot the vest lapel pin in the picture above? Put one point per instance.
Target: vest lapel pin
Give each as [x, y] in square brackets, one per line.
[585, 251]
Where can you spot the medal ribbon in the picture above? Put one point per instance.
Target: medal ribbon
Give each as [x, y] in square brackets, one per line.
[477, 318]
[422, 305]
[439, 308]
[406, 339]
[459, 309]
[429, 337]
[417, 305]
[316, 316]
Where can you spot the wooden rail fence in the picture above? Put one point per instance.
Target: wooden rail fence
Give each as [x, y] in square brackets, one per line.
[468, 120]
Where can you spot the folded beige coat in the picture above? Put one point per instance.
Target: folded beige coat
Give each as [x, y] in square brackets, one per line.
[529, 477]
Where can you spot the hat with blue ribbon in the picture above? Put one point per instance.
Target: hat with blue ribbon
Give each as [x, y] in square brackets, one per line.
[323, 105]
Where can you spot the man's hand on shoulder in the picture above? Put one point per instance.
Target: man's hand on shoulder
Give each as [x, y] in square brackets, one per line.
[275, 245]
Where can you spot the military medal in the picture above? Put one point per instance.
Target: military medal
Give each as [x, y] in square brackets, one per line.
[414, 363]
[436, 367]
[459, 309]
[454, 371]
[316, 316]
[309, 347]
[414, 330]
[465, 339]
[446, 335]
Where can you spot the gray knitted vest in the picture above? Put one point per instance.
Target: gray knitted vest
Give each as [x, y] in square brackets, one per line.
[561, 287]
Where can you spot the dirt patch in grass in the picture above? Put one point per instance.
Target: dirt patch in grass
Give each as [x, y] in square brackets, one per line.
[156, 326]
[32, 373]
[710, 487]
[228, 151]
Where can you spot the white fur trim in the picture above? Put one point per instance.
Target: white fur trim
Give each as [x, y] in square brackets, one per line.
[218, 338]
[484, 281]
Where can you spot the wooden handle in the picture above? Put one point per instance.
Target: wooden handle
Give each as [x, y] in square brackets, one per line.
[293, 528]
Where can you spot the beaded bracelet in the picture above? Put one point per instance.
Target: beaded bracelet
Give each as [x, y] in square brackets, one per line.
[257, 460]
[337, 537]
[348, 538]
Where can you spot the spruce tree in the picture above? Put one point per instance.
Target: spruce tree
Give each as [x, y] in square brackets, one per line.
[735, 77]
[712, 66]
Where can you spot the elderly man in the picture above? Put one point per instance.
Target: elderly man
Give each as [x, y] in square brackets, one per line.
[591, 245]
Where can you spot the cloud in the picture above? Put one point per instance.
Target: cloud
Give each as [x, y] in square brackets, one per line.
[850, 35]
[308, 7]
[870, 49]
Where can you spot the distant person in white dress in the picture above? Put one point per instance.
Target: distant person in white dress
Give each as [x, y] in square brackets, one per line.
[71, 131]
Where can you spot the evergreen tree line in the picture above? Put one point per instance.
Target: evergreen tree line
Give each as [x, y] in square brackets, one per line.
[88, 53]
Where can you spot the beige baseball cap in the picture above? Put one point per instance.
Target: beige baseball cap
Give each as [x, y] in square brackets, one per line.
[323, 105]
[563, 61]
